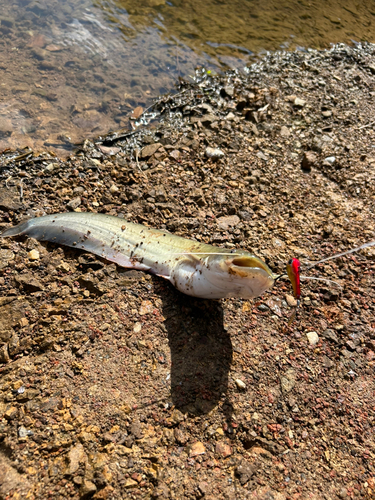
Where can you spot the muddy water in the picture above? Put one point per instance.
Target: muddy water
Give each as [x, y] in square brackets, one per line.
[74, 69]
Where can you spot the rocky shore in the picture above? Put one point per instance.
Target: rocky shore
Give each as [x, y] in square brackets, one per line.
[114, 385]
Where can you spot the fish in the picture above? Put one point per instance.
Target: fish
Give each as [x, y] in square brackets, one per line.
[194, 268]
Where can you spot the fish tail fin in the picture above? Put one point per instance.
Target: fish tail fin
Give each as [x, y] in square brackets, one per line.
[15, 231]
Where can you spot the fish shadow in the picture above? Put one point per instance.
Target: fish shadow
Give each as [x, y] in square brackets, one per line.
[201, 353]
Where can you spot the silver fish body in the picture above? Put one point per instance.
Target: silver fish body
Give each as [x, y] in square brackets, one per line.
[194, 268]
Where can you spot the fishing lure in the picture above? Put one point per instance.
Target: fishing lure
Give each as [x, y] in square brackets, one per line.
[194, 268]
[293, 269]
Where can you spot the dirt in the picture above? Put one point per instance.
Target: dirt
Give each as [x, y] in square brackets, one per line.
[115, 385]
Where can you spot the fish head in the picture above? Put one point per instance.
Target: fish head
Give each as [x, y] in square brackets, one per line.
[241, 275]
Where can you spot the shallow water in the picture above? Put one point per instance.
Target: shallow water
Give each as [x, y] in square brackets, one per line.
[75, 69]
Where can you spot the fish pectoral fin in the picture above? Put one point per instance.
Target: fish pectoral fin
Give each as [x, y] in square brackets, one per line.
[163, 276]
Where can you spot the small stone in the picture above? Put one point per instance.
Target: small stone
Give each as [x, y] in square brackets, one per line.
[87, 488]
[229, 90]
[76, 456]
[223, 449]
[291, 301]
[114, 189]
[299, 103]
[331, 335]
[330, 160]
[137, 112]
[309, 160]
[266, 493]
[9, 197]
[11, 413]
[63, 266]
[4, 354]
[137, 327]
[245, 471]
[196, 449]
[228, 221]
[214, 153]
[33, 255]
[5, 257]
[180, 437]
[326, 114]
[17, 384]
[203, 487]
[22, 432]
[74, 203]
[284, 131]
[54, 48]
[111, 151]
[328, 363]
[175, 154]
[130, 483]
[240, 384]
[288, 381]
[149, 150]
[146, 307]
[312, 337]
[23, 322]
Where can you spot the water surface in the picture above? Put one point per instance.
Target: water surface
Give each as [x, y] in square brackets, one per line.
[72, 69]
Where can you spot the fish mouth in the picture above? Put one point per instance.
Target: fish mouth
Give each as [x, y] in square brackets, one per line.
[239, 264]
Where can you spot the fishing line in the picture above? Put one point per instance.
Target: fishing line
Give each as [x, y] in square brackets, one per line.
[342, 254]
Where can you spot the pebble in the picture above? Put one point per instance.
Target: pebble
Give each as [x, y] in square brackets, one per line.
[87, 488]
[309, 160]
[5, 257]
[288, 381]
[330, 160]
[33, 255]
[76, 456]
[299, 102]
[196, 449]
[331, 335]
[223, 449]
[146, 307]
[228, 221]
[313, 338]
[130, 483]
[22, 432]
[240, 384]
[137, 112]
[114, 189]
[214, 153]
[229, 90]
[149, 150]
[291, 301]
[4, 355]
[74, 203]
[327, 114]
[137, 327]
[284, 131]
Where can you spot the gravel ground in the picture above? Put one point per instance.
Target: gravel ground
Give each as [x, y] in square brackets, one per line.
[114, 385]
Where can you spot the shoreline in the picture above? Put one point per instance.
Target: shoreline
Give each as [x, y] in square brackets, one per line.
[114, 385]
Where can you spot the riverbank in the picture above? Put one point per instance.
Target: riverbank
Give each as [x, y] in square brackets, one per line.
[114, 385]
